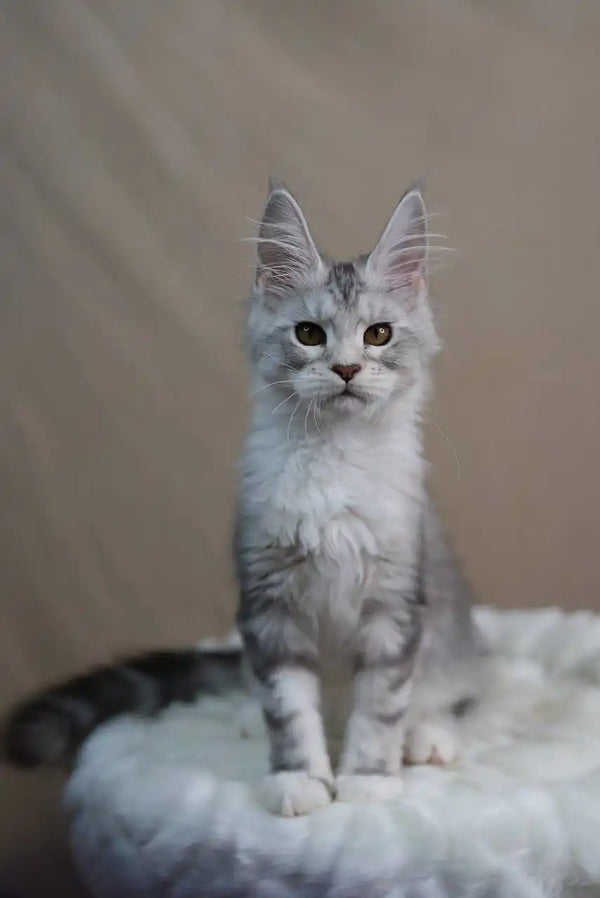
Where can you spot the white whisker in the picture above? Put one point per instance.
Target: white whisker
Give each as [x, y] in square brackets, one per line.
[283, 401]
[296, 407]
[450, 445]
[279, 361]
[306, 418]
[273, 383]
[316, 413]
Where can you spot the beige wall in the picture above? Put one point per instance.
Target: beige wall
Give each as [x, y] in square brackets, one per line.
[136, 140]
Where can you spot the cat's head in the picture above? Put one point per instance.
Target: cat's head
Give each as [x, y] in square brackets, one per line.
[344, 337]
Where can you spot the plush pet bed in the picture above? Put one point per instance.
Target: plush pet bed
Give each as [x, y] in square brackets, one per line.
[166, 807]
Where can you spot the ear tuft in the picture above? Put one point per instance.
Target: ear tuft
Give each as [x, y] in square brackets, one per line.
[276, 183]
[398, 260]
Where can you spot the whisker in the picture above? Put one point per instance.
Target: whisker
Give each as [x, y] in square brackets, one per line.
[306, 418]
[279, 361]
[273, 383]
[283, 401]
[371, 412]
[296, 407]
[450, 445]
[316, 413]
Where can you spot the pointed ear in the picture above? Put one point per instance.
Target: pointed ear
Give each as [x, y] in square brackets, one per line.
[398, 260]
[287, 256]
[277, 183]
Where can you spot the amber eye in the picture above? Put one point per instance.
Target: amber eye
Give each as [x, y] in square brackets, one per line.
[378, 334]
[310, 334]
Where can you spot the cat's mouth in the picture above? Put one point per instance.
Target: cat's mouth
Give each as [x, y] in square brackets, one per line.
[346, 395]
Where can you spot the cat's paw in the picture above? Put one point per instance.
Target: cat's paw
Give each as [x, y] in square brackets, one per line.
[293, 793]
[431, 743]
[372, 787]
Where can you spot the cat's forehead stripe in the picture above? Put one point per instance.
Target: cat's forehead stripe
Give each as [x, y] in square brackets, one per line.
[344, 282]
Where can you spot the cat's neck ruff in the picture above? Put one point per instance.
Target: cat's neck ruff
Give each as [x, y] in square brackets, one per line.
[349, 491]
[364, 457]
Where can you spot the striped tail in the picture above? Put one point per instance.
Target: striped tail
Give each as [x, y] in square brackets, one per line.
[50, 727]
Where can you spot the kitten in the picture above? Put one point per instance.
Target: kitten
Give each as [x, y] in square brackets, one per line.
[339, 552]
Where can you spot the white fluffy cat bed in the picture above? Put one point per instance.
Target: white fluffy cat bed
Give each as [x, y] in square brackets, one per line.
[165, 807]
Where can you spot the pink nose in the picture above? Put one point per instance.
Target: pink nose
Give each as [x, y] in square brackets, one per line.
[346, 372]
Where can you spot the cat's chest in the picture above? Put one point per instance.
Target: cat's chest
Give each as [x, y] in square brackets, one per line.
[332, 505]
[331, 527]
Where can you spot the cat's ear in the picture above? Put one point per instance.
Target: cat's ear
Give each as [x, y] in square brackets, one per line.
[288, 259]
[277, 183]
[398, 260]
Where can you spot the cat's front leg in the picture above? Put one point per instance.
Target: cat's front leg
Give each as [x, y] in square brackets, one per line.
[285, 664]
[372, 756]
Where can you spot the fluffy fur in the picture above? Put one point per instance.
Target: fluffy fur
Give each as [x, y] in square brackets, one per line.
[168, 807]
[339, 552]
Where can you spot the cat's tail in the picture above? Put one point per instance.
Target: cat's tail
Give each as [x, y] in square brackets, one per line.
[50, 727]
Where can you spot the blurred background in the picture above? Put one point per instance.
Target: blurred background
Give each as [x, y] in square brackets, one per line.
[136, 139]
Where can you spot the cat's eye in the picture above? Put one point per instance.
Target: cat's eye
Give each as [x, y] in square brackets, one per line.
[310, 334]
[378, 334]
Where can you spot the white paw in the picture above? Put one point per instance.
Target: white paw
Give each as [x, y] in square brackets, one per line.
[292, 793]
[431, 743]
[372, 787]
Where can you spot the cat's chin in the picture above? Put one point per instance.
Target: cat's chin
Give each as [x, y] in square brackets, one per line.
[346, 403]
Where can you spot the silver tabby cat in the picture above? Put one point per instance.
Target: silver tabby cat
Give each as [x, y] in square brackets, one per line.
[339, 553]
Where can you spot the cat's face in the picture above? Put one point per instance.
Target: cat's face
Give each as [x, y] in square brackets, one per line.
[339, 338]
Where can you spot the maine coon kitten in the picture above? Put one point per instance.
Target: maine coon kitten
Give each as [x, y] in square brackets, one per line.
[339, 553]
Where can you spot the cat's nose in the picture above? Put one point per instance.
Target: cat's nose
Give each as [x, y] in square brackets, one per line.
[346, 372]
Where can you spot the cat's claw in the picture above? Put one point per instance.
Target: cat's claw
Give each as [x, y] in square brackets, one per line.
[293, 793]
[431, 743]
[374, 787]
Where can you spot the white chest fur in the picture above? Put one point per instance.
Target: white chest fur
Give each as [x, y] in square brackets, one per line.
[348, 502]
